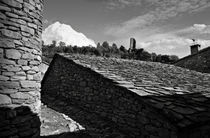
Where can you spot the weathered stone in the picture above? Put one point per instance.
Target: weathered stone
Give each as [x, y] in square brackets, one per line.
[9, 84]
[28, 84]
[32, 25]
[28, 6]
[184, 110]
[34, 62]
[7, 43]
[3, 78]
[8, 73]
[1, 52]
[13, 28]
[11, 15]
[21, 73]
[12, 3]
[18, 42]
[22, 62]
[30, 77]
[17, 77]
[11, 34]
[13, 54]
[37, 76]
[28, 56]
[11, 68]
[8, 91]
[1, 26]
[31, 72]
[25, 34]
[2, 16]
[27, 29]
[35, 68]
[25, 68]
[20, 95]
[6, 61]
[4, 8]
[4, 100]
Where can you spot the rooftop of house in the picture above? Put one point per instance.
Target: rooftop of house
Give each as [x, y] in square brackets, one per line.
[181, 95]
[192, 55]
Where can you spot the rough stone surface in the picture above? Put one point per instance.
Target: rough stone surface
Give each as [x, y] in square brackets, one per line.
[143, 99]
[4, 100]
[13, 54]
[18, 31]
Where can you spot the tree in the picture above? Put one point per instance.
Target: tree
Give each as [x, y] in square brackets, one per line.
[122, 48]
[62, 43]
[53, 43]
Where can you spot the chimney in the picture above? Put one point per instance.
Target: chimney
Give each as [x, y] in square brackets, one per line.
[194, 49]
[132, 44]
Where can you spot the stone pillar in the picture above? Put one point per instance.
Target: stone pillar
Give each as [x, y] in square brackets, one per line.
[20, 56]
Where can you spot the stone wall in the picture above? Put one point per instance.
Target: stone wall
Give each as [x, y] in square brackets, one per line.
[199, 62]
[20, 55]
[91, 91]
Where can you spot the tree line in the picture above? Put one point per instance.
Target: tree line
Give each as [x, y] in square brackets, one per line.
[107, 50]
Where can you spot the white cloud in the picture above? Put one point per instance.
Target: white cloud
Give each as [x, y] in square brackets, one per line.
[65, 33]
[163, 10]
[119, 4]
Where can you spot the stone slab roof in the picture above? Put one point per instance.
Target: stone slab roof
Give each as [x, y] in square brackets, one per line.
[181, 95]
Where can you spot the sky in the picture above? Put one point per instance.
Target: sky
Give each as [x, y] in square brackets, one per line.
[160, 26]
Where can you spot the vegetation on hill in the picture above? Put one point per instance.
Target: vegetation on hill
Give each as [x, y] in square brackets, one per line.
[106, 50]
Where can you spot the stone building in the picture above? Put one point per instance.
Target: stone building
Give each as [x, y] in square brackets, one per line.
[198, 60]
[141, 99]
[20, 56]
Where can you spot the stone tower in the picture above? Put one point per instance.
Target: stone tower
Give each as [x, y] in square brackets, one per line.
[20, 56]
[132, 45]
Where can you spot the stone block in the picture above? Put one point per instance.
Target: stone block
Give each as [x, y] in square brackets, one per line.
[29, 84]
[8, 73]
[27, 29]
[22, 62]
[13, 28]
[5, 100]
[28, 56]
[8, 84]
[11, 68]
[2, 16]
[35, 68]
[21, 73]
[15, 78]
[37, 76]
[34, 62]
[30, 77]
[7, 43]
[32, 25]
[20, 95]
[13, 54]
[4, 8]
[11, 15]
[8, 91]
[3, 78]
[11, 34]
[12, 3]
[25, 68]
[1, 52]
[6, 61]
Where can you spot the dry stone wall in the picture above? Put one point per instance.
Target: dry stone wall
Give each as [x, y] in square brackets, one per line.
[91, 91]
[20, 56]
